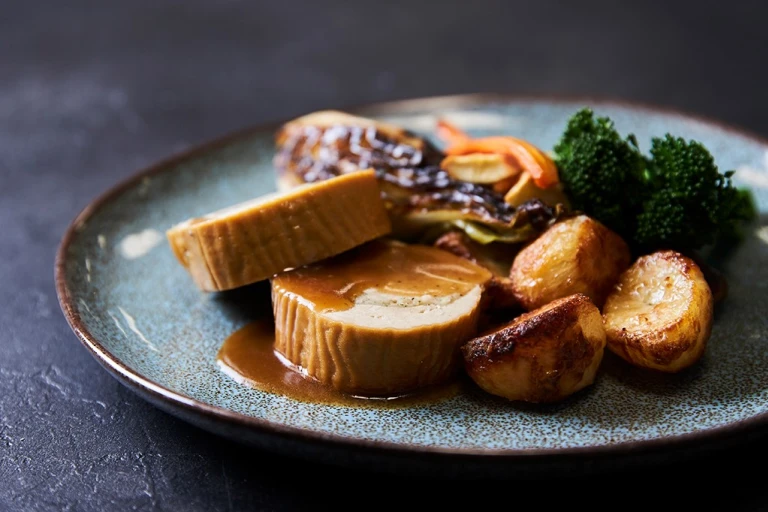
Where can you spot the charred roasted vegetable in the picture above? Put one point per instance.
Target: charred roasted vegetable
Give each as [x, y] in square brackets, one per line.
[541, 356]
[578, 255]
[422, 198]
[328, 143]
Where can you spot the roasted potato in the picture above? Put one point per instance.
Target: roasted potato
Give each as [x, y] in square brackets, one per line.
[541, 356]
[660, 314]
[577, 255]
[496, 257]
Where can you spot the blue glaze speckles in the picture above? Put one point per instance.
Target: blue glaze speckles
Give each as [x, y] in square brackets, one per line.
[134, 299]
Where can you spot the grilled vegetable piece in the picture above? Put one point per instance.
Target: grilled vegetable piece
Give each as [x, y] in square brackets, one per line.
[519, 174]
[486, 169]
[660, 314]
[526, 156]
[521, 154]
[418, 194]
[524, 189]
[422, 198]
[496, 257]
[541, 356]
[577, 255]
[324, 144]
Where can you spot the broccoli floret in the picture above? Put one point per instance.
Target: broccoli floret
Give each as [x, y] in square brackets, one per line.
[599, 170]
[688, 203]
[676, 198]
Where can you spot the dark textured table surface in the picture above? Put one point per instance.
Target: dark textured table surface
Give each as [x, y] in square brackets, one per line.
[92, 91]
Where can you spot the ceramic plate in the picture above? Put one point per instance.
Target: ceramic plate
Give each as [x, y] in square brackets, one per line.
[138, 312]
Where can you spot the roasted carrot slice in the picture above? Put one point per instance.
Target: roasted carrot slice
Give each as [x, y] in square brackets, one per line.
[525, 156]
[528, 157]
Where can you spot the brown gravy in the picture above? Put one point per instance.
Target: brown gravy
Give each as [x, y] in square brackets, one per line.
[248, 355]
[389, 267]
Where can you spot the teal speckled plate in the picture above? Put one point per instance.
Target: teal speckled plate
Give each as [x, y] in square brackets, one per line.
[138, 312]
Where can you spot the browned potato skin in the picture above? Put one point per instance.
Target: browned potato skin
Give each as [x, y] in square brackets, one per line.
[541, 356]
[577, 255]
[665, 344]
[497, 258]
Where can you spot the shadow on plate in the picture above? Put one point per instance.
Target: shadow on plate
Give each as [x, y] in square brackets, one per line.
[246, 304]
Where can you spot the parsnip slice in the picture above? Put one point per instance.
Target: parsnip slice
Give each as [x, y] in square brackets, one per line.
[483, 168]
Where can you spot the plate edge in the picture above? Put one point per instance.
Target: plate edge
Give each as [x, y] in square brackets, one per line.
[193, 406]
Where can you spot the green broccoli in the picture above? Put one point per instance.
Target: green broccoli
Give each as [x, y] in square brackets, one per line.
[688, 203]
[676, 198]
[600, 169]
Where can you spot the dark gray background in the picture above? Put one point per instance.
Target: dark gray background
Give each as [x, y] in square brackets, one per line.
[92, 91]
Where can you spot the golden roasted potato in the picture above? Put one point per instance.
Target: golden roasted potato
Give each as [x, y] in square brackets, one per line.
[578, 255]
[483, 168]
[541, 356]
[496, 257]
[524, 189]
[660, 314]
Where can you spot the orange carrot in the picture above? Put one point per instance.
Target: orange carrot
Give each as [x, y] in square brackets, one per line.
[450, 133]
[528, 157]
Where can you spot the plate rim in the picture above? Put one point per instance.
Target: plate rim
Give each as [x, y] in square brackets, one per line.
[133, 379]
